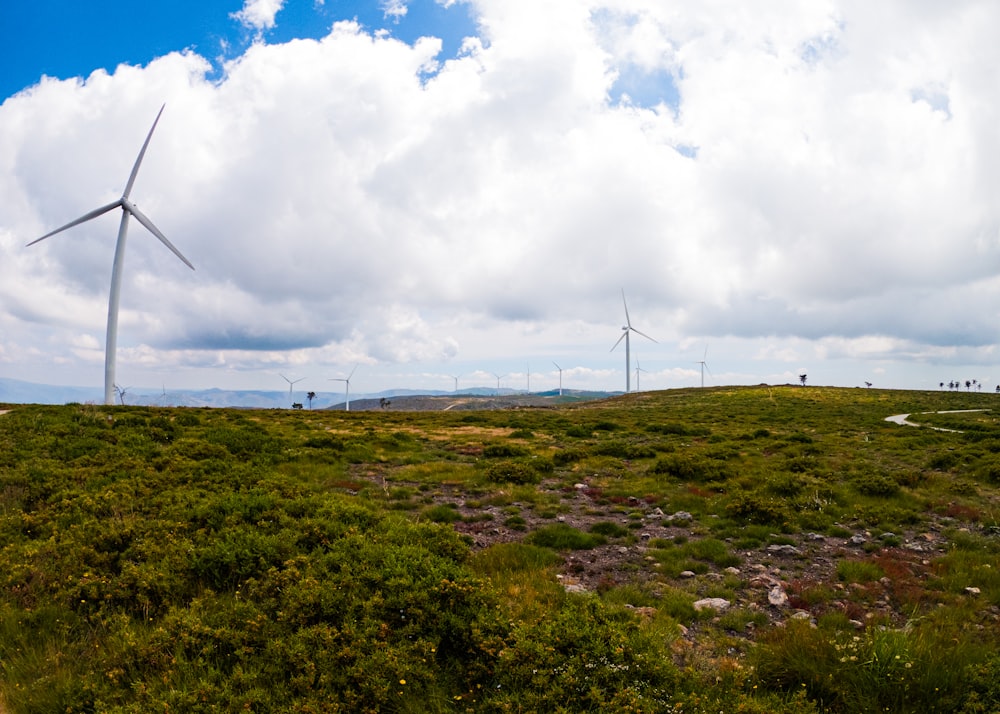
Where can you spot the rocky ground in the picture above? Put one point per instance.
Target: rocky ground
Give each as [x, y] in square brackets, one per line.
[794, 579]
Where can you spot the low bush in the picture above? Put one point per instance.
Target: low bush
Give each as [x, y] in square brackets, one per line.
[560, 536]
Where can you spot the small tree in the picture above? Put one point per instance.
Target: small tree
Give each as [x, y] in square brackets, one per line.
[310, 396]
[802, 378]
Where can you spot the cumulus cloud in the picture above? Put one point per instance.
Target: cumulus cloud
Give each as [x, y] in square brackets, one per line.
[786, 184]
[259, 15]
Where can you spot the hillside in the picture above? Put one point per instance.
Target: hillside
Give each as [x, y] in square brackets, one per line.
[765, 549]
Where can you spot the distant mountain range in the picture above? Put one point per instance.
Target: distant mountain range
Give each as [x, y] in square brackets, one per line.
[13, 391]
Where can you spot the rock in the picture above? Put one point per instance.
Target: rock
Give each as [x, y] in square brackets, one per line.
[972, 591]
[887, 535]
[777, 596]
[783, 549]
[657, 513]
[815, 536]
[579, 486]
[800, 615]
[687, 574]
[857, 624]
[680, 516]
[732, 571]
[858, 540]
[714, 603]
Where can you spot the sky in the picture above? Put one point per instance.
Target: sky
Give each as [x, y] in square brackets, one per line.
[440, 192]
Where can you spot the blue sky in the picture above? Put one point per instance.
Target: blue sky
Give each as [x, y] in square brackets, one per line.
[791, 186]
[69, 38]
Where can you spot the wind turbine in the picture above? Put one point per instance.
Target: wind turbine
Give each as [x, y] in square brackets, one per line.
[347, 388]
[626, 329]
[455, 377]
[128, 209]
[498, 376]
[291, 383]
[704, 366]
[560, 378]
[637, 370]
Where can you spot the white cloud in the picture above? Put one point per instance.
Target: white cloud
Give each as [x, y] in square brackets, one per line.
[395, 9]
[259, 15]
[822, 194]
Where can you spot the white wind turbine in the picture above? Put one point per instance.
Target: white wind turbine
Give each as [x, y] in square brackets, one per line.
[626, 329]
[347, 387]
[560, 378]
[455, 377]
[291, 383]
[499, 377]
[704, 366]
[128, 209]
[637, 370]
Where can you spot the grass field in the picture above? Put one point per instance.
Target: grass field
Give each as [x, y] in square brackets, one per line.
[757, 549]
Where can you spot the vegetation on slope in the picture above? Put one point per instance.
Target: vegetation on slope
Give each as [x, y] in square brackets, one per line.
[527, 560]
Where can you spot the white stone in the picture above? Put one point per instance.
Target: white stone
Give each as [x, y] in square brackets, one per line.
[712, 603]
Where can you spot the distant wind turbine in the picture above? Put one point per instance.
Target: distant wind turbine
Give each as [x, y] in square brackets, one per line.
[291, 383]
[626, 329]
[499, 377]
[347, 388]
[560, 378]
[128, 209]
[704, 366]
[637, 370]
[455, 377]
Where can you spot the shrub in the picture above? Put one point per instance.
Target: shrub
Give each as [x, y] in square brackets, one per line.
[518, 471]
[442, 513]
[504, 451]
[685, 468]
[560, 536]
[609, 529]
[754, 507]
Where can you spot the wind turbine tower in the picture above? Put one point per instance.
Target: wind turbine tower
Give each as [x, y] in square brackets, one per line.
[347, 388]
[291, 383]
[637, 370]
[704, 366]
[129, 209]
[560, 378]
[499, 377]
[626, 329]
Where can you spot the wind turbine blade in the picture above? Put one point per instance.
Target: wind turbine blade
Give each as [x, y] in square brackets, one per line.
[557, 366]
[641, 333]
[352, 373]
[624, 332]
[142, 152]
[141, 217]
[82, 219]
[627, 320]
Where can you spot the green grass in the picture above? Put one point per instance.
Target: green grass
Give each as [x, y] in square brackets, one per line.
[223, 560]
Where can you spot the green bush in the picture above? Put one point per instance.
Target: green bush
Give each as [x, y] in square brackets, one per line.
[517, 471]
[754, 507]
[609, 529]
[560, 536]
[685, 468]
